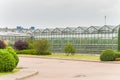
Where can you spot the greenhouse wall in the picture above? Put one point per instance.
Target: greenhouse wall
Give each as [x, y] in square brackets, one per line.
[93, 39]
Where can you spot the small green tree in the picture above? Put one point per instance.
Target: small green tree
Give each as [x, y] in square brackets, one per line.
[42, 47]
[30, 43]
[119, 39]
[69, 49]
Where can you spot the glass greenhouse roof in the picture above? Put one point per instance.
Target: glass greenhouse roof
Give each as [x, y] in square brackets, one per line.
[67, 30]
[14, 34]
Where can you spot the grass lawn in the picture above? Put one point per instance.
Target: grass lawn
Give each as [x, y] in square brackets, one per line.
[5, 73]
[64, 56]
[76, 56]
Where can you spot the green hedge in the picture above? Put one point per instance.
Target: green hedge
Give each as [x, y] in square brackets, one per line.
[46, 53]
[107, 55]
[117, 55]
[29, 51]
[32, 51]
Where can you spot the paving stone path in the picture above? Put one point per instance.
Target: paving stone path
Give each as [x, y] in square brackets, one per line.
[52, 69]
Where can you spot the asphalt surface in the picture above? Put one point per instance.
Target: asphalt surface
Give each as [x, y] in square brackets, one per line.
[53, 69]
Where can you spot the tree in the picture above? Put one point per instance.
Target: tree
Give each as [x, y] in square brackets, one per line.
[21, 45]
[119, 39]
[42, 47]
[30, 43]
[69, 49]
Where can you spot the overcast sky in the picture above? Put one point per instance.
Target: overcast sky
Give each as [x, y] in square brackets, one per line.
[59, 13]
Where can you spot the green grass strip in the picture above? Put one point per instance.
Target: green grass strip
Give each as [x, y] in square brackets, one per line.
[64, 56]
[76, 56]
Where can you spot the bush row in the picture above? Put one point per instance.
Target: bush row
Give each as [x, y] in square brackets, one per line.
[109, 55]
[31, 51]
[39, 47]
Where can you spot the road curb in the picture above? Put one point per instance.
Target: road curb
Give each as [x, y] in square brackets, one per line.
[27, 76]
[21, 75]
[108, 62]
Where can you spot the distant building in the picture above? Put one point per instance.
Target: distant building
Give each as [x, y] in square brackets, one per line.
[19, 27]
[32, 28]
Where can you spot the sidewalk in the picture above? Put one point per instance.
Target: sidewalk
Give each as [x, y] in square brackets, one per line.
[22, 74]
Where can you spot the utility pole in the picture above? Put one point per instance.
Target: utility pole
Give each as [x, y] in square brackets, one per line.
[105, 20]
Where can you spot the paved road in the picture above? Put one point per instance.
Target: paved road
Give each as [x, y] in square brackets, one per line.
[52, 69]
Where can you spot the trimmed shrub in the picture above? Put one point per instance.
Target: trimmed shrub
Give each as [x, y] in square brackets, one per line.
[41, 46]
[117, 55]
[21, 45]
[2, 44]
[107, 55]
[29, 51]
[69, 49]
[12, 51]
[7, 61]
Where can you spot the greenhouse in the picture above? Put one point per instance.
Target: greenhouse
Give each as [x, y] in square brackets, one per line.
[11, 35]
[93, 39]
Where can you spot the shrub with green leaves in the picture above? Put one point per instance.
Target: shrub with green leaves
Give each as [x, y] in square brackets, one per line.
[107, 55]
[30, 43]
[2, 44]
[47, 53]
[69, 49]
[7, 61]
[28, 51]
[12, 51]
[41, 46]
[117, 54]
[21, 45]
